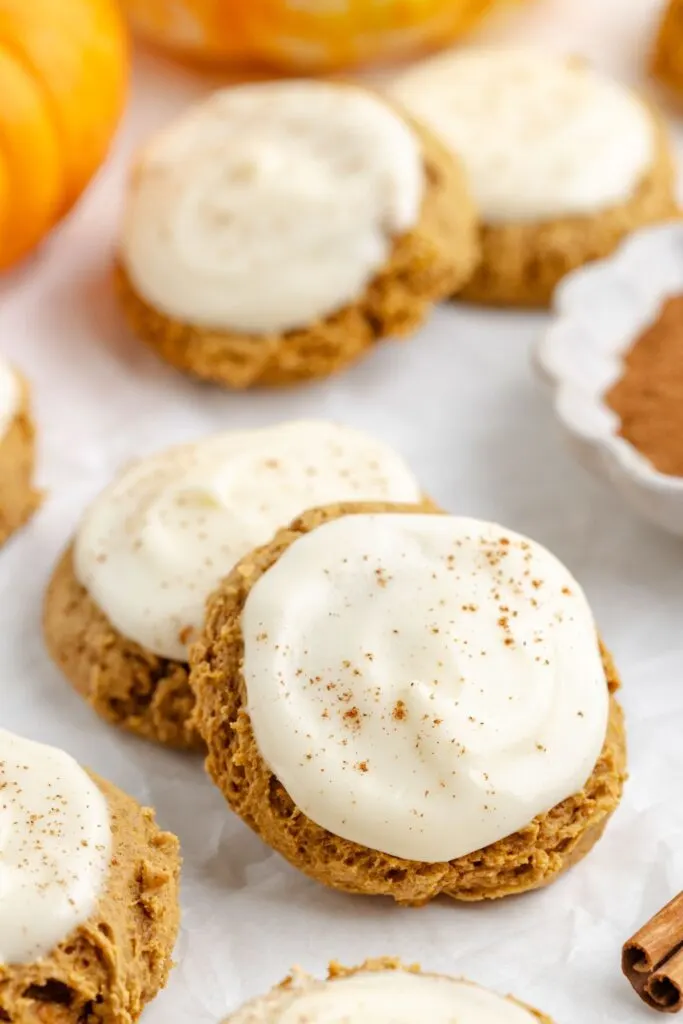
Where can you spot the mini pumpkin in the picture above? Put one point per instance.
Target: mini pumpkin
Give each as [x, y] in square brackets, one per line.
[63, 72]
[296, 36]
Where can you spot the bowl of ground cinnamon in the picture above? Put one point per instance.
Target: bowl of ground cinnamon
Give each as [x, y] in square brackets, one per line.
[613, 358]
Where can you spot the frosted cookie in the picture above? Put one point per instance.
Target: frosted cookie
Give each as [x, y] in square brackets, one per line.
[88, 893]
[383, 991]
[563, 162]
[128, 597]
[277, 231]
[409, 704]
[18, 499]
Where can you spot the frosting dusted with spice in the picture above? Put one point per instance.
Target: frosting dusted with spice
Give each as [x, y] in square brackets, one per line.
[157, 541]
[9, 397]
[270, 206]
[423, 685]
[541, 137]
[383, 997]
[55, 846]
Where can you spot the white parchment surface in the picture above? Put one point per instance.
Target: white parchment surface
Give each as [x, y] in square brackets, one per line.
[460, 401]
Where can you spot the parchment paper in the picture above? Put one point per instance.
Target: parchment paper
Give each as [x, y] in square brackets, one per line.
[460, 401]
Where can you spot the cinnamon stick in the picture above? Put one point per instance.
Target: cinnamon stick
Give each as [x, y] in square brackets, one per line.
[653, 959]
[665, 987]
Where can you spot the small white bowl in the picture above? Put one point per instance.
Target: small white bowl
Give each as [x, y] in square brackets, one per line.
[598, 312]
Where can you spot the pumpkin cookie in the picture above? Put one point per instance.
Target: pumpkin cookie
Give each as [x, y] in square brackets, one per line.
[279, 230]
[18, 499]
[563, 162]
[385, 992]
[128, 596]
[89, 900]
[433, 694]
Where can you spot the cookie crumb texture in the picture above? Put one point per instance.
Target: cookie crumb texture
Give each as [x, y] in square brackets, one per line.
[125, 684]
[18, 499]
[522, 263]
[428, 264]
[528, 859]
[106, 971]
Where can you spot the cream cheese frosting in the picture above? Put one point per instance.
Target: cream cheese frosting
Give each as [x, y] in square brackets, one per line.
[55, 847]
[423, 685]
[542, 137]
[269, 206]
[9, 397]
[383, 997]
[155, 543]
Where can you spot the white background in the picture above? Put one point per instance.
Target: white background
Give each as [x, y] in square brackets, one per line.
[459, 400]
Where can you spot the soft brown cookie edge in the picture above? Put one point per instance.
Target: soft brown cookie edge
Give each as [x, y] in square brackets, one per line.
[527, 860]
[18, 497]
[124, 684]
[115, 963]
[522, 263]
[428, 264]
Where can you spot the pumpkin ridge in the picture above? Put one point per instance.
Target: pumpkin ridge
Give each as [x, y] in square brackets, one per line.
[20, 57]
[63, 73]
[29, 147]
[80, 64]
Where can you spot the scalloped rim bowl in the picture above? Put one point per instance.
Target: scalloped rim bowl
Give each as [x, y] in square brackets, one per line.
[598, 312]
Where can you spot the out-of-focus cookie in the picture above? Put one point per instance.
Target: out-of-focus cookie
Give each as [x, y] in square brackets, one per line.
[667, 54]
[385, 992]
[277, 231]
[563, 162]
[89, 893]
[18, 499]
[128, 597]
[410, 704]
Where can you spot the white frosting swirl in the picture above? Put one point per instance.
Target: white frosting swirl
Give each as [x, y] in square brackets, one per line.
[55, 848]
[542, 137]
[270, 206]
[9, 397]
[383, 997]
[423, 685]
[156, 542]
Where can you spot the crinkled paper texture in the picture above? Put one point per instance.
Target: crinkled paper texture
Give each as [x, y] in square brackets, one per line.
[460, 401]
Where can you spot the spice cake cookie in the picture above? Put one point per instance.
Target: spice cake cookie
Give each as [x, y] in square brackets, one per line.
[563, 162]
[383, 991]
[278, 230]
[409, 704]
[18, 499]
[89, 893]
[128, 596]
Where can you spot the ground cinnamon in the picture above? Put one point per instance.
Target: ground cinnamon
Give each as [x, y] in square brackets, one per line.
[653, 959]
[648, 398]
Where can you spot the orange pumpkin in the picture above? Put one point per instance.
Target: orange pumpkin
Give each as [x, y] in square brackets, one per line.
[63, 71]
[317, 35]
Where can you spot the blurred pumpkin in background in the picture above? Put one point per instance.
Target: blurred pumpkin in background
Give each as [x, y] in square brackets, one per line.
[303, 35]
[63, 72]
